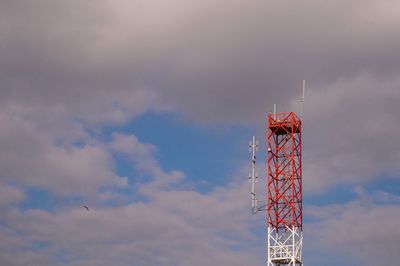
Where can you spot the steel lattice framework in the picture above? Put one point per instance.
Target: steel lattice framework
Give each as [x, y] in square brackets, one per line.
[284, 204]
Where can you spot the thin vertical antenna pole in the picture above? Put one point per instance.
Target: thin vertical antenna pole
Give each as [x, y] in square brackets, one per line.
[253, 177]
[274, 111]
[302, 99]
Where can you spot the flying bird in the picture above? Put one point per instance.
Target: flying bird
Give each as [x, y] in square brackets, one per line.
[86, 207]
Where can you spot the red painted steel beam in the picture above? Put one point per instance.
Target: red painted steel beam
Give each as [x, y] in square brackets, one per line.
[284, 171]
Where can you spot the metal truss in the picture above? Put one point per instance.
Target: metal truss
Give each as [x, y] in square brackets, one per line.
[285, 246]
[284, 201]
[285, 210]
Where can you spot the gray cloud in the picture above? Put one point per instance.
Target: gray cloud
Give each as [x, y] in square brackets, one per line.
[212, 62]
[360, 231]
[351, 132]
[71, 67]
[9, 195]
[205, 59]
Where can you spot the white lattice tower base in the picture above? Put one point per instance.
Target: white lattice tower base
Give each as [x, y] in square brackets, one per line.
[285, 246]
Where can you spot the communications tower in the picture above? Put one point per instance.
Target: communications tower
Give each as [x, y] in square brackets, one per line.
[284, 200]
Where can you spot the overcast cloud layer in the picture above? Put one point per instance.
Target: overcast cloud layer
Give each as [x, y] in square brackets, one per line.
[70, 68]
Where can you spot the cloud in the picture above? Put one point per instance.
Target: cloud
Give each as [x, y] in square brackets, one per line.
[350, 132]
[142, 155]
[361, 231]
[103, 63]
[203, 59]
[31, 156]
[70, 68]
[9, 195]
[175, 227]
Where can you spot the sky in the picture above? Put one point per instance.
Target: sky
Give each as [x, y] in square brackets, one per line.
[142, 110]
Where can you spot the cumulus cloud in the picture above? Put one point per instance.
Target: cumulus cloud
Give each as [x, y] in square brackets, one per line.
[174, 225]
[70, 68]
[172, 228]
[142, 155]
[212, 62]
[32, 156]
[364, 231]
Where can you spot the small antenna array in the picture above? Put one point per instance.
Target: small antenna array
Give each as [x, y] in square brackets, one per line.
[284, 204]
[253, 147]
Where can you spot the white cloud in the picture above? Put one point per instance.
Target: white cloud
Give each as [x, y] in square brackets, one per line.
[175, 227]
[142, 155]
[33, 154]
[68, 68]
[172, 226]
[360, 231]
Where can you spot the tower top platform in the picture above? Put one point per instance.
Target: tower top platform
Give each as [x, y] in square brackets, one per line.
[284, 123]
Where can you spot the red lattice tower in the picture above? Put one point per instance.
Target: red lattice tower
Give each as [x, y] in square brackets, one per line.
[284, 190]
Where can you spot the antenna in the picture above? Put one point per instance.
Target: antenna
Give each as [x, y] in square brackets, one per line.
[253, 147]
[285, 193]
[284, 199]
[302, 99]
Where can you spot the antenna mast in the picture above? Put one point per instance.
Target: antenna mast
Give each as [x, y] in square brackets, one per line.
[302, 99]
[284, 204]
[253, 147]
